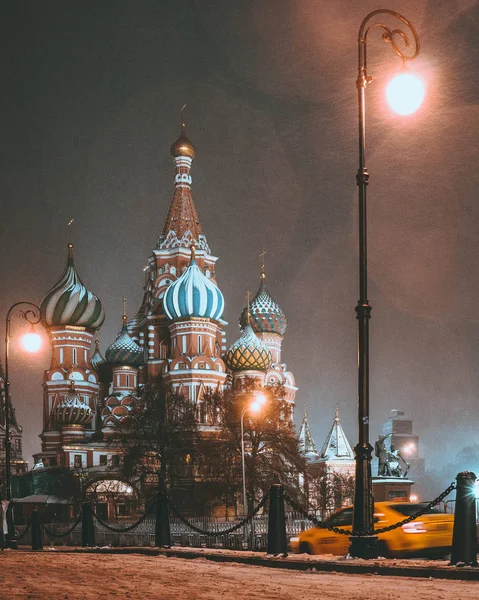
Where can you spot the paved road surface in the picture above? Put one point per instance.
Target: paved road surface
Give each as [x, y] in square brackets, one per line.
[54, 575]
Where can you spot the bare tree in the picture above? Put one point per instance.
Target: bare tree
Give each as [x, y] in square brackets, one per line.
[272, 452]
[158, 438]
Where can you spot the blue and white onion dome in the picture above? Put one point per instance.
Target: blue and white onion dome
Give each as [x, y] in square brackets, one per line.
[72, 410]
[124, 351]
[193, 295]
[266, 315]
[69, 302]
[248, 353]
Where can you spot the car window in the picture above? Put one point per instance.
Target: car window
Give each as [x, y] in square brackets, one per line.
[344, 517]
[408, 510]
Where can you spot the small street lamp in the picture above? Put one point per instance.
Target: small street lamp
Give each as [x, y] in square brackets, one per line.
[364, 544]
[254, 408]
[31, 342]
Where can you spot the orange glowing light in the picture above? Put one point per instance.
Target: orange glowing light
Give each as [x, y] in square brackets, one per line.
[31, 342]
[405, 93]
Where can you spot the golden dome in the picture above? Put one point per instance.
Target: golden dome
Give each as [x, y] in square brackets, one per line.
[183, 146]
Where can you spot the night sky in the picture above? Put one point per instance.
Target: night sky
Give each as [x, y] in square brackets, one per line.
[91, 98]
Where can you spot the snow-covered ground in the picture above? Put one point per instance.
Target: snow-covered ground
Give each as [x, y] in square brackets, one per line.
[55, 575]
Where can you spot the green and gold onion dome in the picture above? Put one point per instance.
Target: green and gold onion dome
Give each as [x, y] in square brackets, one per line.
[124, 350]
[69, 302]
[266, 315]
[72, 410]
[182, 146]
[248, 353]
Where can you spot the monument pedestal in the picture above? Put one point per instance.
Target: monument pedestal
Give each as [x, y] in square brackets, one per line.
[387, 489]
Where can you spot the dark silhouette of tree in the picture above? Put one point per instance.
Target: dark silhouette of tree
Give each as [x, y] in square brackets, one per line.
[327, 490]
[158, 438]
[272, 451]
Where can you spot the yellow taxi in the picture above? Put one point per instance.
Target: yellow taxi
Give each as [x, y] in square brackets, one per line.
[428, 535]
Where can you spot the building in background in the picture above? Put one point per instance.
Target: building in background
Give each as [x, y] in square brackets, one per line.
[17, 464]
[328, 482]
[178, 333]
[406, 441]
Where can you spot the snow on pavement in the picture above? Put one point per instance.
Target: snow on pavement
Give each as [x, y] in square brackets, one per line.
[54, 575]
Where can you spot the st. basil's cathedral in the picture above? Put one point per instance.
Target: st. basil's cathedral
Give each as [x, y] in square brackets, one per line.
[178, 332]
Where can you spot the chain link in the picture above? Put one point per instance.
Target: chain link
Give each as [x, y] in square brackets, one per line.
[226, 531]
[129, 527]
[420, 512]
[64, 533]
[352, 533]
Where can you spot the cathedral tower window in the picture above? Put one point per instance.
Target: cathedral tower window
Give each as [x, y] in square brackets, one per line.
[74, 356]
[199, 345]
[61, 356]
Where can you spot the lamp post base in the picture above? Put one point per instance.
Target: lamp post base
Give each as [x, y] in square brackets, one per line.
[364, 547]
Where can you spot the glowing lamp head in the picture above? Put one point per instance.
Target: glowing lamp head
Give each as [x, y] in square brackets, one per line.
[405, 93]
[260, 399]
[31, 342]
[255, 407]
[413, 498]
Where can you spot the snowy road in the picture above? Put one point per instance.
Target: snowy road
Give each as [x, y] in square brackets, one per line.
[64, 576]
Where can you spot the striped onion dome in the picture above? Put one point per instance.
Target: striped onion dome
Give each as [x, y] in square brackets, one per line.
[248, 353]
[266, 315]
[124, 351]
[193, 295]
[97, 359]
[69, 302]
[72, 410]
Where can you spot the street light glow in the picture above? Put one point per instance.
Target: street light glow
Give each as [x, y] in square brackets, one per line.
[255, 407]
[31, 342]
[405, 93]
[260, 399]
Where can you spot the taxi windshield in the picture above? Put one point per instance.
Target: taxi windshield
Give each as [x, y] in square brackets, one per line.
[408, 510]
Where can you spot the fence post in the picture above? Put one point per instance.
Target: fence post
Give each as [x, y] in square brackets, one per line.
[87, 526]
[277, 543]
[464, 542]
[37, 543]
[162, 525]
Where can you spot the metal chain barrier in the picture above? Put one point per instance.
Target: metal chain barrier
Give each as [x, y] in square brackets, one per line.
[226, 531]
[64, 533]
[352, 533]
[22, 535]
[421, 512]
[124, 529]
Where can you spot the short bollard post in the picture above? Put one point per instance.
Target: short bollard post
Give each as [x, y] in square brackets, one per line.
[464, 542]
[277, 543]
[37, 543]
[162, 525]
[87, 527]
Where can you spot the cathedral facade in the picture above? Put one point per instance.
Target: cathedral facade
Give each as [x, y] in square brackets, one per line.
[178, 332]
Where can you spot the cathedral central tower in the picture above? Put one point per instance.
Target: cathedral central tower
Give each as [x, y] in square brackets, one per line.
[179, 325]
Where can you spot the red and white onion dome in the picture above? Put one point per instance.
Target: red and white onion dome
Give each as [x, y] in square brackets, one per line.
[69, 302]
[72, 410]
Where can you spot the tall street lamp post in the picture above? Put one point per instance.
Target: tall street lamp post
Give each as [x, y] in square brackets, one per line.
[31, 342]
[364, 542]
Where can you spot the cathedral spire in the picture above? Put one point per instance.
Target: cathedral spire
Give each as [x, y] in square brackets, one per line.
[182, 226]
[308, 447]
[336, 445]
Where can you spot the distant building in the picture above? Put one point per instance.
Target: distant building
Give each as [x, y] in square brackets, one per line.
[178, 332]
[405, 440]
[17, 464]
[328, 482]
